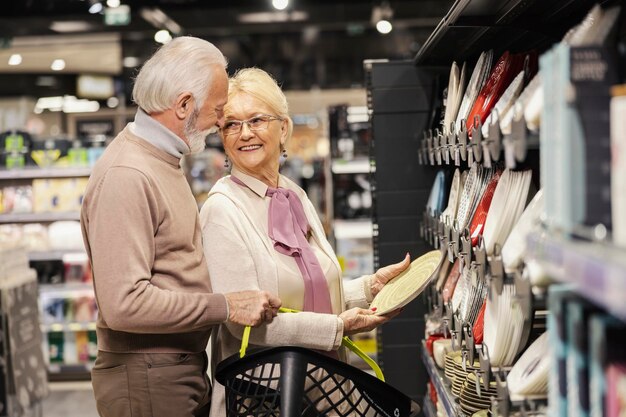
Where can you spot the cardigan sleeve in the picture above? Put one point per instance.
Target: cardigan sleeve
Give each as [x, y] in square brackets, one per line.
[227, 236]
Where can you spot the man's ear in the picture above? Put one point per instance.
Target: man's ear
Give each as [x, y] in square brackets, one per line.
[184, 105]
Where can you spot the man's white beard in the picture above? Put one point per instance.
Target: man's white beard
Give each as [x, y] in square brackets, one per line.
[196, 138]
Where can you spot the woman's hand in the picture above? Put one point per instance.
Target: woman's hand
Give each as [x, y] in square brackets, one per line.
[358, 320]
[387, 273]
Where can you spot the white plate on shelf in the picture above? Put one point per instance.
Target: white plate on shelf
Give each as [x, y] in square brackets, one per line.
[529, 375]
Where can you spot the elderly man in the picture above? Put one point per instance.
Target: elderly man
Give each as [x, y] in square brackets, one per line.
[141, 230]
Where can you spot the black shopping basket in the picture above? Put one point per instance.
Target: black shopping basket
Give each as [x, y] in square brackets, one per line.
[291, 381]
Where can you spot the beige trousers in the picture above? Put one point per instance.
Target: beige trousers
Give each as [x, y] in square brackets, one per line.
[151, 384]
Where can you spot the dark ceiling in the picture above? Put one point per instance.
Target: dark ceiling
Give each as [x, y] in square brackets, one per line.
[325, 47]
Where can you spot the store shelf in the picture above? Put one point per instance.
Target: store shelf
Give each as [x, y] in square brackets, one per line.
[353, 229]
[428, 408]
[68, 327]
[66, 372]
[38, 217]
[51, 255]
[597, 270]
[472, 26]
[70, 290]
[32, 173]
[355, 166]
[436, 376]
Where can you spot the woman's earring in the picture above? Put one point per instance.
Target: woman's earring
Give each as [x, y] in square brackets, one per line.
[284, 153]
[226, 162]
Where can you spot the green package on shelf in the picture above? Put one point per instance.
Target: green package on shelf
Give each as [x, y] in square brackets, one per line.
[14, 143]
[78, 156]
[15, 160]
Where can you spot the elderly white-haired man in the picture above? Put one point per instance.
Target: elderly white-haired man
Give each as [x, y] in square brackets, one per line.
[142, 233]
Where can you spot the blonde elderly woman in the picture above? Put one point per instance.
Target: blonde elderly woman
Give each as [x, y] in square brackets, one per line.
[261, 232]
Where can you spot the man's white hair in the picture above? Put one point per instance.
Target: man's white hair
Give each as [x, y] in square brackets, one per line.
[184, 64]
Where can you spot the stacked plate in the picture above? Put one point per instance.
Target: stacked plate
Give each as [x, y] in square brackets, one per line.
[451, 282]
[507, 206]
[529, 375]
[477, 180]
[514, 248]
[476, 83]
[472, 401]
[505, 102]
[456, 88]
[517, 109]
[460, 374]
[504, 325]
[437, 196]
[448, 368]
[449, 214]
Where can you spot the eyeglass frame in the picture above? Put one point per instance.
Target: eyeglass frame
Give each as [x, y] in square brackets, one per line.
[240, 123]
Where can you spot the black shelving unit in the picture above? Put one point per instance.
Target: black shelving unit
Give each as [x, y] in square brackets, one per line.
[472, 26]
[400, 100]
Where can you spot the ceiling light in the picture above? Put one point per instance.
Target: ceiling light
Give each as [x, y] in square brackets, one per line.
[381, 17]
[384, 26]
[280, 4]
[162, 36]
[113, 3]
[95, 8]
[57, 65]
[15, 59]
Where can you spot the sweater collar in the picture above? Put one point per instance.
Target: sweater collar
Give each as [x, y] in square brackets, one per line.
[256, 185]
[158, 135]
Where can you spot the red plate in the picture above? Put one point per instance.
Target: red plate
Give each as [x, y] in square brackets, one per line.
[507, 67]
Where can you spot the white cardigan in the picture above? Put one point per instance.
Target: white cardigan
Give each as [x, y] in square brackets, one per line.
[240, 256]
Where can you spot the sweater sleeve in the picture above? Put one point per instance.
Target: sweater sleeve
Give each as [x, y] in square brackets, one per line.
[232, 268]
[123, 219]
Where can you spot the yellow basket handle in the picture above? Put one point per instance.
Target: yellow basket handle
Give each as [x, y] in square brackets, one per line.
[346, 342]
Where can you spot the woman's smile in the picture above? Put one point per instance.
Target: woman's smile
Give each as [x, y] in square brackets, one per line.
[248, 148]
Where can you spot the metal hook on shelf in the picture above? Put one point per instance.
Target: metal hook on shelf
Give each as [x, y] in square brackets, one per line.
[485, 364]
[429, 142]
[477, 137]
[503, 394]
[469, 343]
[452, 140]
[495, 136]
[462, 140]
[437, 145]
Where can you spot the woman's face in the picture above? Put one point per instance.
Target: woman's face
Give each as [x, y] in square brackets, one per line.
[255, 152]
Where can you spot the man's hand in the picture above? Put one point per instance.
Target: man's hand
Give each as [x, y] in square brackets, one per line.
[387, 273]
[358, 320]
[252, 308]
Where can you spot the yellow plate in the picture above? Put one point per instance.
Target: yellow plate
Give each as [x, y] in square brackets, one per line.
[409, 284]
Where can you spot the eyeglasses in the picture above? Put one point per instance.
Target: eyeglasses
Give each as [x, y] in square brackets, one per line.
[260, 122]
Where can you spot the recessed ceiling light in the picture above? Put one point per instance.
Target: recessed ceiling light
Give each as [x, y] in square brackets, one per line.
[58, 65]
[280, 4]
[384, 26]
[15, 59]
[113, 3]
[95, 8]
[162, 36]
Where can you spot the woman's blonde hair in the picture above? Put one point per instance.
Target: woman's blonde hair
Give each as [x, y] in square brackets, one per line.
[262, 86]
[184, 64]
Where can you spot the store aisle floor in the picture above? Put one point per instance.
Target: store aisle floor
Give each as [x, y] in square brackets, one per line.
[70, 399]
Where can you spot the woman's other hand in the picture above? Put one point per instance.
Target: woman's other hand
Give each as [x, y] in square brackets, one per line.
[359, 320]
[387, 273]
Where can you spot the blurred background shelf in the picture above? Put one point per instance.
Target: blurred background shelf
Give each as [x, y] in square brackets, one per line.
[355, 166]
[38, 217]
[597, 270]
[33, 173]
[51, 255]
[68, 327]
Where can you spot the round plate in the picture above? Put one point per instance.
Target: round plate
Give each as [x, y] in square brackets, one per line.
[409, 284]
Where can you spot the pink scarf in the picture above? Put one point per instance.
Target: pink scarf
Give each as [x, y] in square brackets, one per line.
[288, 227]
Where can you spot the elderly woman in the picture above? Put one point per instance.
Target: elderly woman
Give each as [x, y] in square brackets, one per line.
[261, 231]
